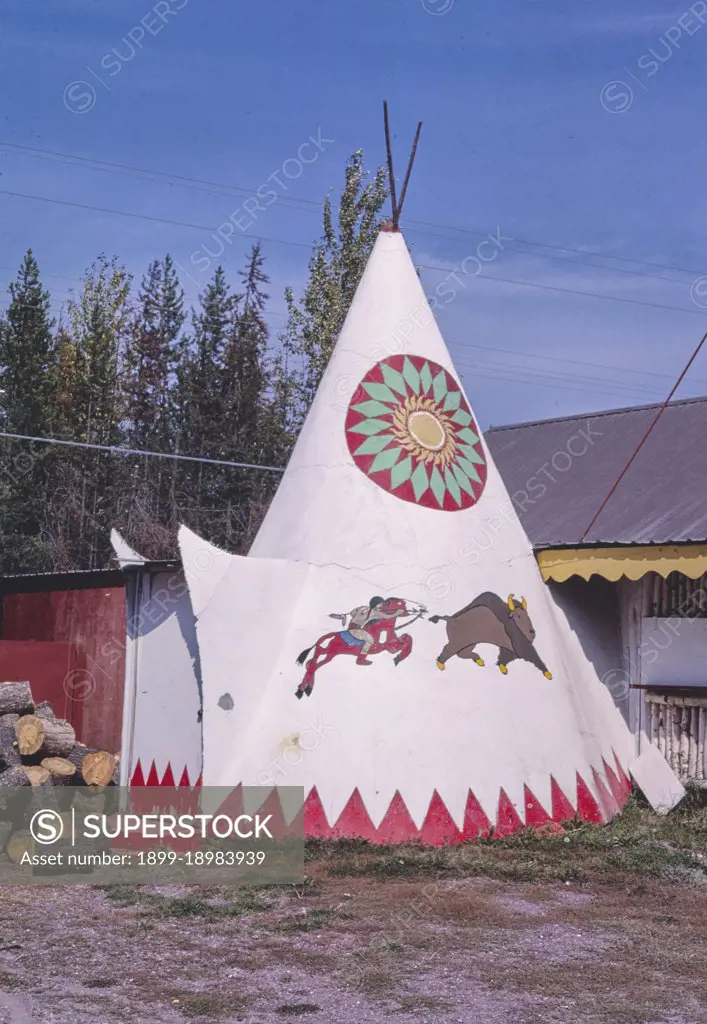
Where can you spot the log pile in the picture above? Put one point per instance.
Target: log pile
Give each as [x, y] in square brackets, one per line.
[38, 749]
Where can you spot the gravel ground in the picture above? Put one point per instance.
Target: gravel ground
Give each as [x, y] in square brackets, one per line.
[345, 950]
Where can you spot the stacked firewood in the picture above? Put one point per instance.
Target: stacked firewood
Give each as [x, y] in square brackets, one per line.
[39, 749]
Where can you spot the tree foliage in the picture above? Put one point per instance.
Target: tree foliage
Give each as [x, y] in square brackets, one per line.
[335, 268]
[134, 369]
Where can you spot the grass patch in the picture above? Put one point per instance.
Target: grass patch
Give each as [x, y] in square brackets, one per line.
[197, 1004]
[194, 906]
[637, 842]
[377, 983]
[312, 921]
[9, 981]
[409, 1004]
[124, 895]
[297, 1009]
[210, 903]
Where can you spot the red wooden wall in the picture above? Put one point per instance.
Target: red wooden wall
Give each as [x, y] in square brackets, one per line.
[53, 670]
[93, 622]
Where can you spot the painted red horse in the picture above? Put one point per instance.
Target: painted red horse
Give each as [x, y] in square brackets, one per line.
[382, 630]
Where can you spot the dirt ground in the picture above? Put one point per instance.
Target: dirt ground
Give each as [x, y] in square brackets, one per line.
[599, 925]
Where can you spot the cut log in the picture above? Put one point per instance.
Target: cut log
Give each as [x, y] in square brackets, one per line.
[14, 776]
[30, 734]
[98, 768]
[78, 757]
[19, 844]
[36, 774]
[10, 720]
[44, 710]
[50, 737]
[89, 801]
[16, 698]
[60, 769]
[6, 830]
[9, 754]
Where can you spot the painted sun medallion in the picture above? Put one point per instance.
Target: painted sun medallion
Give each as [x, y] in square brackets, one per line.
[410, 430]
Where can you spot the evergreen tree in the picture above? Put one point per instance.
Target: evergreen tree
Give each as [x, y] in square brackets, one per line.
[122, 376]
[244, 369]
[200, 404]
[99, 322]
[88, 485]
[26, 379]
[150, 357]
[148, 371]
[27, 354]
[244, 399]
[335, 269]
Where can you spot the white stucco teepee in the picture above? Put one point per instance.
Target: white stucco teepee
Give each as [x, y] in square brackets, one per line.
[417, 682]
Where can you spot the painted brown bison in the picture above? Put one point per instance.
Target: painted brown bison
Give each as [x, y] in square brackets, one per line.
[491, 620]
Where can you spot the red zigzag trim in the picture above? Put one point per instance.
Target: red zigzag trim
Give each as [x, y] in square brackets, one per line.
[167, 779]
[439, 829]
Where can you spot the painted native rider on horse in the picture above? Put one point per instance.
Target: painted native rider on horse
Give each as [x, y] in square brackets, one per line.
[371, 629]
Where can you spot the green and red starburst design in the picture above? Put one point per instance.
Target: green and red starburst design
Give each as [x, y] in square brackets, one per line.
[410, 430]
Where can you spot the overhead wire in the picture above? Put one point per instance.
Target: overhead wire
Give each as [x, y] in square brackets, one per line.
[120, 450]
[179, 179]
[574, 291]
[529, 374]
[645, 437]
[316, 205]
[564, 359]
[625, 386]
[145, 216]
[302, 245]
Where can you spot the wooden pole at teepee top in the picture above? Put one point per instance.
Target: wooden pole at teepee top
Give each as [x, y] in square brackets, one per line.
[399, 209]
[392, 225]
[389, 155]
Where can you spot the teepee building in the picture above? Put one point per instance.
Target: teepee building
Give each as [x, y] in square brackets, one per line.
[388, 644]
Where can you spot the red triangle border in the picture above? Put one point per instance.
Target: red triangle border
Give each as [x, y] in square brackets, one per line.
[609, 792]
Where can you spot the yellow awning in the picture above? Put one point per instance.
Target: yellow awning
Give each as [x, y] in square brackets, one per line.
[614, 562]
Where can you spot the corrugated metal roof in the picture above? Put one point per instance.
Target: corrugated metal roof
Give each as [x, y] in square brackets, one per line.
[85, 579]
[80, 579]
[559, 471]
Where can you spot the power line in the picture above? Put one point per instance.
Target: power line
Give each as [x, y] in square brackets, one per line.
[561, 248]
[63, 277]
[574, 291]
[608, 385]
[516, 376]
[615, 387]
[139, 451]
[272, 313]
[552, 385]
[70, 294]
[161, 177]
[144, 216]
[303, 245]
[315, 205]
[574, 362]
[645, 437]
[582, 263]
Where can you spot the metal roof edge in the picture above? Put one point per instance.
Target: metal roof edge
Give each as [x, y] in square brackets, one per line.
[575, 546]
[88, 579]
[154, 565]
[81, 579]
[594, 415]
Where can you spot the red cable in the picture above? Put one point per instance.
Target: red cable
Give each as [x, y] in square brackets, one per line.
[645, 437]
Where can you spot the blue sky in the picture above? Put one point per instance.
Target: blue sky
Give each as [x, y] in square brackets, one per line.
[594, 187]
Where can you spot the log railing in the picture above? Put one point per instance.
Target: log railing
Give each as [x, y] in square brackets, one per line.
[678, 727]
